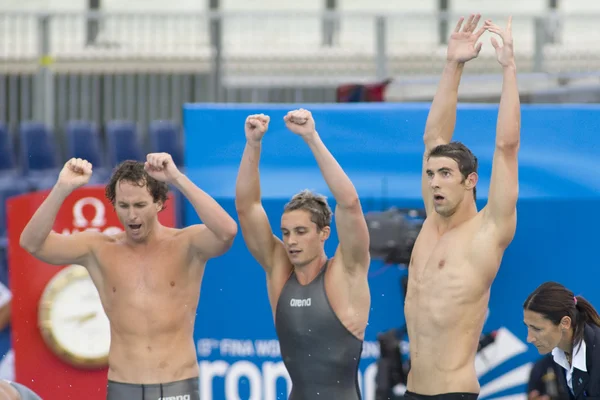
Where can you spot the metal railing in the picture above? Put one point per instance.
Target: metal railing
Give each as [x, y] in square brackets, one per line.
[100, 66]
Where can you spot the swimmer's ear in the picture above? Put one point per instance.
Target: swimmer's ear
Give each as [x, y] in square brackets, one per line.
[471, 180]
[325, 232]
[565, 323]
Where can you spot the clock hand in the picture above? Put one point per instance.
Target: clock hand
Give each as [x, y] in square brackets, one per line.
[87, 317]
[81, 318]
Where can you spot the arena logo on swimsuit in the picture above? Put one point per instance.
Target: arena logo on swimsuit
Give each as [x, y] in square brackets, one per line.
[300, 302]
[95, 222]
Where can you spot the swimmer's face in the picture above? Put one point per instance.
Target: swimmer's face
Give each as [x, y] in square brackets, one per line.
[447, 186]
[136, 209]
[543, 333]
[302, 239]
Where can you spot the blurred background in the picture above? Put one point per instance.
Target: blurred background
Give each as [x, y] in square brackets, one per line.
[109, 80]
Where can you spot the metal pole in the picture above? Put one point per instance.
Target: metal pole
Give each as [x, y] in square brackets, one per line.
[540, 41]
[443, 26]
[329, 23]
[216, 41]
[380, 47]
[44, 106]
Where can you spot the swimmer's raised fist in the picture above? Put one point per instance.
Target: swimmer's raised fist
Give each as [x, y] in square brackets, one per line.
[75, 173]
[161, 167]
[256, 126]
[300, 122]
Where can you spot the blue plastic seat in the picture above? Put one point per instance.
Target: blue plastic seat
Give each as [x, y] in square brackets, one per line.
[83, 141]
[123, 142]
[38, 154]
[165, 137]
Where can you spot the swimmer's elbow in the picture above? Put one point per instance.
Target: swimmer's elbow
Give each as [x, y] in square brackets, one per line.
[28, 245]
[230, 232]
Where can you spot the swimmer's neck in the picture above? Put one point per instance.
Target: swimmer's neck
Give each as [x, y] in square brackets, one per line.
[466, 211]
[306, 273]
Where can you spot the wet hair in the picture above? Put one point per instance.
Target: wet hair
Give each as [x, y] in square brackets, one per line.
[314, 203]
[133, 172]
[466, 160]
[554, 302]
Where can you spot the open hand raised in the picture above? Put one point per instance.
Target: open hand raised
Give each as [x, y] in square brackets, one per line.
[463, 45]
[504, 52]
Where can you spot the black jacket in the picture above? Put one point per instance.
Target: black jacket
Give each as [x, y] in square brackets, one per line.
[586, 385]
[548, 378]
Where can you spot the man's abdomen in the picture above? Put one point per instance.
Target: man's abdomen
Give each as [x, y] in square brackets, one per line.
[439, 367]
[443, 335]
[150, 360]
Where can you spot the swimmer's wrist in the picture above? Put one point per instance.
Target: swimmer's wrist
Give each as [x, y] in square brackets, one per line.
[254, 143]
[511, 66]
[311, 137]
[178, 179]
[62, 189]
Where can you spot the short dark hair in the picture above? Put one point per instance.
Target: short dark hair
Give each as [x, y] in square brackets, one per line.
[134, 172]
[554, 302]
[314, 203]
[466, 160]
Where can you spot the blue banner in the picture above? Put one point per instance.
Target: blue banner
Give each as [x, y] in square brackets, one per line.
[380, 147]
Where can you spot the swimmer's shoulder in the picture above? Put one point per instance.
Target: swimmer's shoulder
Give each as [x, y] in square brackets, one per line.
[7, 391]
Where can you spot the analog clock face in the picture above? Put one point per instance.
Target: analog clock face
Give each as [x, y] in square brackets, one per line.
[72, 320]
[80, 324]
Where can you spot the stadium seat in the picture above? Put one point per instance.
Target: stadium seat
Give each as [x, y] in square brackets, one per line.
[123, 142]
[5, 194]
[165, 137]
[83, 141]
[38, 154]
[8, 165]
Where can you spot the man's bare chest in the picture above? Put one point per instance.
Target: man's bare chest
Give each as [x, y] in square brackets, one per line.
[152, 270]
[439, 258]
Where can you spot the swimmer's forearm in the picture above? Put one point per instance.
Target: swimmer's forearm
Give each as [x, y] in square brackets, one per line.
[40, 225]
[509, 111]
[247, 186]
[208, 209]
[442, 114]
[338, 182]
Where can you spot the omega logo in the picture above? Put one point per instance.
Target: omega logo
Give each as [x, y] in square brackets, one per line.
[98, 221]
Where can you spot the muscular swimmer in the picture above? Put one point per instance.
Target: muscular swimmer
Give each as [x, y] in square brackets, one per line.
[459, 249]
[148, 276]
[320, 306]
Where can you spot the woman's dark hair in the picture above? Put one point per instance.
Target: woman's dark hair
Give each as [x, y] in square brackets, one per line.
[554, 301]
[134, 172]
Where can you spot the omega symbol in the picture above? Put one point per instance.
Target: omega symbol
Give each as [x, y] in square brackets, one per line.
[79, 220]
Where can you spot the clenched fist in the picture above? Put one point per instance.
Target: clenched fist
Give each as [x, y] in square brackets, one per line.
[300, 122]
[161, 167]
[75, 173]
[256, 126]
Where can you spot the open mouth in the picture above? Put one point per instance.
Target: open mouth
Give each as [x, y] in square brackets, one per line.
[438, 197]
[293, 252]
[135, 227]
